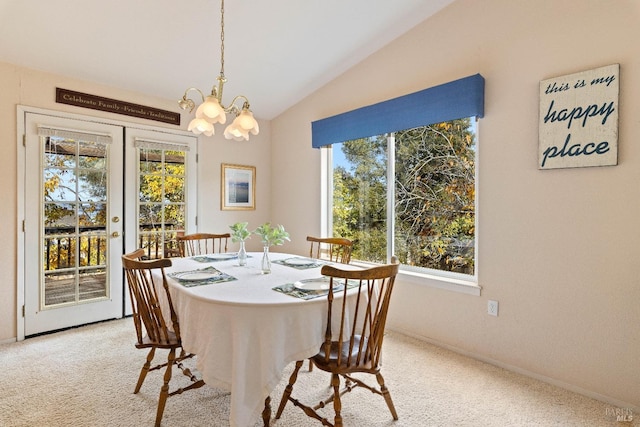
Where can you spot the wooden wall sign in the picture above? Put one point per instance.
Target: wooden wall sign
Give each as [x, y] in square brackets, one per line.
[578, 124]
[64, 96]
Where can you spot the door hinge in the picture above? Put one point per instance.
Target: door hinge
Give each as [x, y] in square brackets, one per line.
[23, 310]
[23, 226]
[24, 139]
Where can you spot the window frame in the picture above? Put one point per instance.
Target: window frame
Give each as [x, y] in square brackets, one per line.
[441, 279]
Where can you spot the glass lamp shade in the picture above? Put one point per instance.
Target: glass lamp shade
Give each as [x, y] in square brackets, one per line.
[242, 125]
[211, 111]
[247, 122]
[236, 133]
[200, 125]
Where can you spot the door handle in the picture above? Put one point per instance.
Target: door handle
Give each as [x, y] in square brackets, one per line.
[115, 234]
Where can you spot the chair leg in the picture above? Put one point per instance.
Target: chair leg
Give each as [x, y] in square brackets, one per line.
[164, 391]
[145, 369]
[310, 365]
[387, 396]
[337, 404]
[288, 389]
[266, 412]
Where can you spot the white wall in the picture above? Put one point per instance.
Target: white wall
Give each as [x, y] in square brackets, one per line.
[557, 248]
[213, 152]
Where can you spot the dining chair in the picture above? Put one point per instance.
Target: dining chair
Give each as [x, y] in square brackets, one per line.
[335, 249]
[356, 345]
[153, 329]
[202, 243]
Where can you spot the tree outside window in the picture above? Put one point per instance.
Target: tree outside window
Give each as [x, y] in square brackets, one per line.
[432, 223]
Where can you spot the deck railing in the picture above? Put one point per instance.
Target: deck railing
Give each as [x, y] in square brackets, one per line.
[61, 244]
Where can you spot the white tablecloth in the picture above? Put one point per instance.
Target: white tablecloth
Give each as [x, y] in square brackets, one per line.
[243, 332]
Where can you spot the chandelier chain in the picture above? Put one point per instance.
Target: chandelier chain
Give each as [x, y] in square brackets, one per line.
[222, 38]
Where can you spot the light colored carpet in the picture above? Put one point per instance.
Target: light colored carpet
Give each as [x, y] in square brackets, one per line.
[85, 377]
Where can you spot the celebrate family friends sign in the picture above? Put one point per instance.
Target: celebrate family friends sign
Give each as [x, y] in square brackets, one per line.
[578, 124]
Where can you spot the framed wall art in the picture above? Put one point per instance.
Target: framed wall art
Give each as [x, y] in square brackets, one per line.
[578, 125]
[238, 190]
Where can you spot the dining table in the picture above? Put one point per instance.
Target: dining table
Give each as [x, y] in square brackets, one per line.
[245, 326]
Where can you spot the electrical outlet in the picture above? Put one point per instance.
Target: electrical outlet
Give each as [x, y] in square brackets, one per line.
[492, 308]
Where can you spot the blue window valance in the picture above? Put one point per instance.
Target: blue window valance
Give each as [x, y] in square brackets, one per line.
[449, 101]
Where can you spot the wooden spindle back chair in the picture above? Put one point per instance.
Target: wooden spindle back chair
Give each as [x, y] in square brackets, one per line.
[336, 249]
[172, 247]
[356, 346]
[154, 330]
[202, 243]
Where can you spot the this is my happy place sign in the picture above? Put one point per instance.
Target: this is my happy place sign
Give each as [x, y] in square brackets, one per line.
[579, 119]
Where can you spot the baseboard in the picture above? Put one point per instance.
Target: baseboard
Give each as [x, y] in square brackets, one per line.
[561, 384]
[9, 341]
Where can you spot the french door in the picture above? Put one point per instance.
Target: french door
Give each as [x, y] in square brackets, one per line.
[160, 192]
[91, 192]
[73, 222]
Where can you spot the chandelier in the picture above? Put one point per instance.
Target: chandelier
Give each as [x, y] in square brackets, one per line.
[212, 111]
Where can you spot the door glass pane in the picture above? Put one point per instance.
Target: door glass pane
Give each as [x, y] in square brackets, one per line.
[150, 216]
[59, 217]
[151, 162]
[174, 217]
[60, 153]
[93, 216]
[59, 288]
[59, 252]
[175, 161]
[74, 205]
[59, 184]
[92, 185]
[174, 191]
[93, 250]
[93, 156]
[91, 284]
[161, 202]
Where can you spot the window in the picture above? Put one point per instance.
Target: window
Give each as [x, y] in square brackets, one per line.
[427, 216]
[403, 181]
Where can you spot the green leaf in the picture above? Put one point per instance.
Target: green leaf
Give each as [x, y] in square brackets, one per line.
[239, 232]
[272, 235]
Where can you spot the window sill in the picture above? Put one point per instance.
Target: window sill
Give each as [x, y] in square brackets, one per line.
[439, 282]
[454, 284]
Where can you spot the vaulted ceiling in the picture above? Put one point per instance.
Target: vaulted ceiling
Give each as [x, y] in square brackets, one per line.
[276, 51]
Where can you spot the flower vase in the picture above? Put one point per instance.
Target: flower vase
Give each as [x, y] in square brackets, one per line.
[242, 255]
[266, 262]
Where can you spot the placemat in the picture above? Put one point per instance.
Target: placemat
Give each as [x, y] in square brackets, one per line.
[291, 289]
[199, 277]
[291, 262]
[206, 258]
